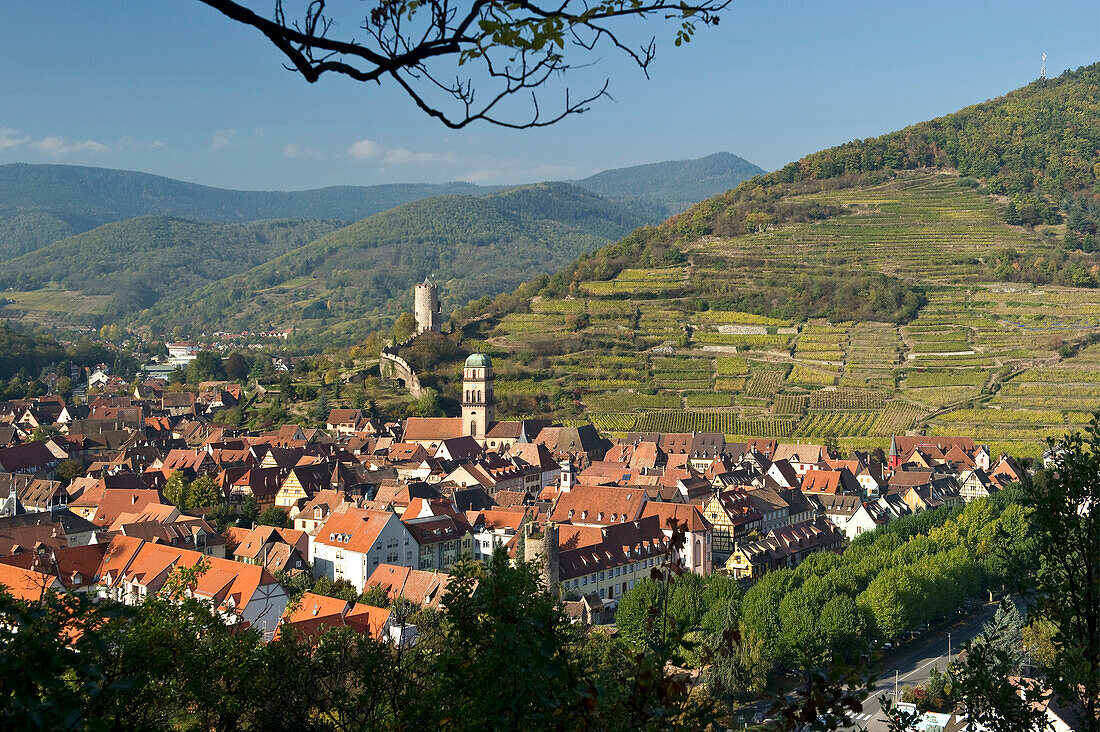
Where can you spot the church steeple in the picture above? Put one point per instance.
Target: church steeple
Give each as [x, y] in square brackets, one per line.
[478, 401]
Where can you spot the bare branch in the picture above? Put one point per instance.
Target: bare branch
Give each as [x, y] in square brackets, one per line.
[512, 47]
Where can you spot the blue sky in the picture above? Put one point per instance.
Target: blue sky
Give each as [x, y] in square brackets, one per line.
[178, 90]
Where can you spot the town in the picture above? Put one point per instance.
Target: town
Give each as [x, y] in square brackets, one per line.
[359, 524]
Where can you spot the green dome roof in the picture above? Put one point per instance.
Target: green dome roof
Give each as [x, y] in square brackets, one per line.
[478, 361]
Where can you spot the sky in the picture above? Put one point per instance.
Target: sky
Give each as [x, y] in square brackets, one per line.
[176, 89]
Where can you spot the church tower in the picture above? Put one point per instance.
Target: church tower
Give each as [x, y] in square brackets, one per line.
[478, 410]
[426, 307]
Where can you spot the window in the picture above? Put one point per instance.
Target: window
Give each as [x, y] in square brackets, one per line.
[584, 580]
[601, 575]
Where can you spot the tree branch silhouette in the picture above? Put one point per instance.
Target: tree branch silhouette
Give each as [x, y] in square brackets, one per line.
[442, 53]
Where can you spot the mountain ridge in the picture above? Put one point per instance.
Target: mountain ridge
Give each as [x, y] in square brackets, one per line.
[41, 203]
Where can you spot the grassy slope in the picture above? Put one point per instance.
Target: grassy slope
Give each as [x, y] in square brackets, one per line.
[995, 306]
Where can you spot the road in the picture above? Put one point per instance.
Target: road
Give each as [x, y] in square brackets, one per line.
[911, 663]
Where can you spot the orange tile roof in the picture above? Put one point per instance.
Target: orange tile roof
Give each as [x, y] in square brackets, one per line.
[684, 513]
[360, 526]
[432, 429]
[26, 584]
[599, 505]
[315, 613]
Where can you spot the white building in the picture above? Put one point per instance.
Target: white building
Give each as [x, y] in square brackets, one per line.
[182, 353]
[354, 541]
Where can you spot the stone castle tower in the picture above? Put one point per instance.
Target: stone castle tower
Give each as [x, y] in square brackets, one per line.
[544, 546]
[426, 307]
[478, 408]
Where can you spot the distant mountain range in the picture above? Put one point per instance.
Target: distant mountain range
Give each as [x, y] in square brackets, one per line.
[671, 187]
[149, 242]
[43, 203]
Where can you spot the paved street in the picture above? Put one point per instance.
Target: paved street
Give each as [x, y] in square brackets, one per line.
[913, 661]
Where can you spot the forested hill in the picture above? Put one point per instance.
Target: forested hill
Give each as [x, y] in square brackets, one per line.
[1038, 147]
[141, 260]
[42, 201]
[672, 186]
[40, 204]
[357, 278]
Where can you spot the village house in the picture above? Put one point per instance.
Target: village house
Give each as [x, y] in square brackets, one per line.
[31, 458]
[75, 568]
[696, 554]
[133, 569]
[352, 542]
[975, 483]
[902, 447]
[33, 494]
[423, 589]
[492, 528]
[314, 614]
[783, 547]
[503, 435]
[276, 549]
[732, 516]
[441, 533]
[607, 560]
[317, 511]
[802, 458]
[45, 529]
[591, 505]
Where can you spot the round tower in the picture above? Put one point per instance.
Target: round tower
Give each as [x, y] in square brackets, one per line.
[544, 546]
[426, 308]
[478, 402]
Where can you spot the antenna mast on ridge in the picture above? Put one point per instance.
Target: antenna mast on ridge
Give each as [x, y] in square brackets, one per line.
[1043, 71]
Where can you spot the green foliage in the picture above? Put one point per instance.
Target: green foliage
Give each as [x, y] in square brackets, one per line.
[365, 272]
[274, 516]
[376, 596]
[141, 260]
[69, 470]
[651, 610]
[340, 589]
[175, 489]
[250, 511]
[29, 354]
[1043, 137]
[204, 492]
[206, 366]
[1064, 589]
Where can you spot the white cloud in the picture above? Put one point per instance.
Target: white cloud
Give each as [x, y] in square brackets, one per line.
[10, 139]
[364, 149]
[130, 144]
[220, 139]
[301, 152]
[56, 146]
[516, 172]
[402, 156]
[371, 150]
